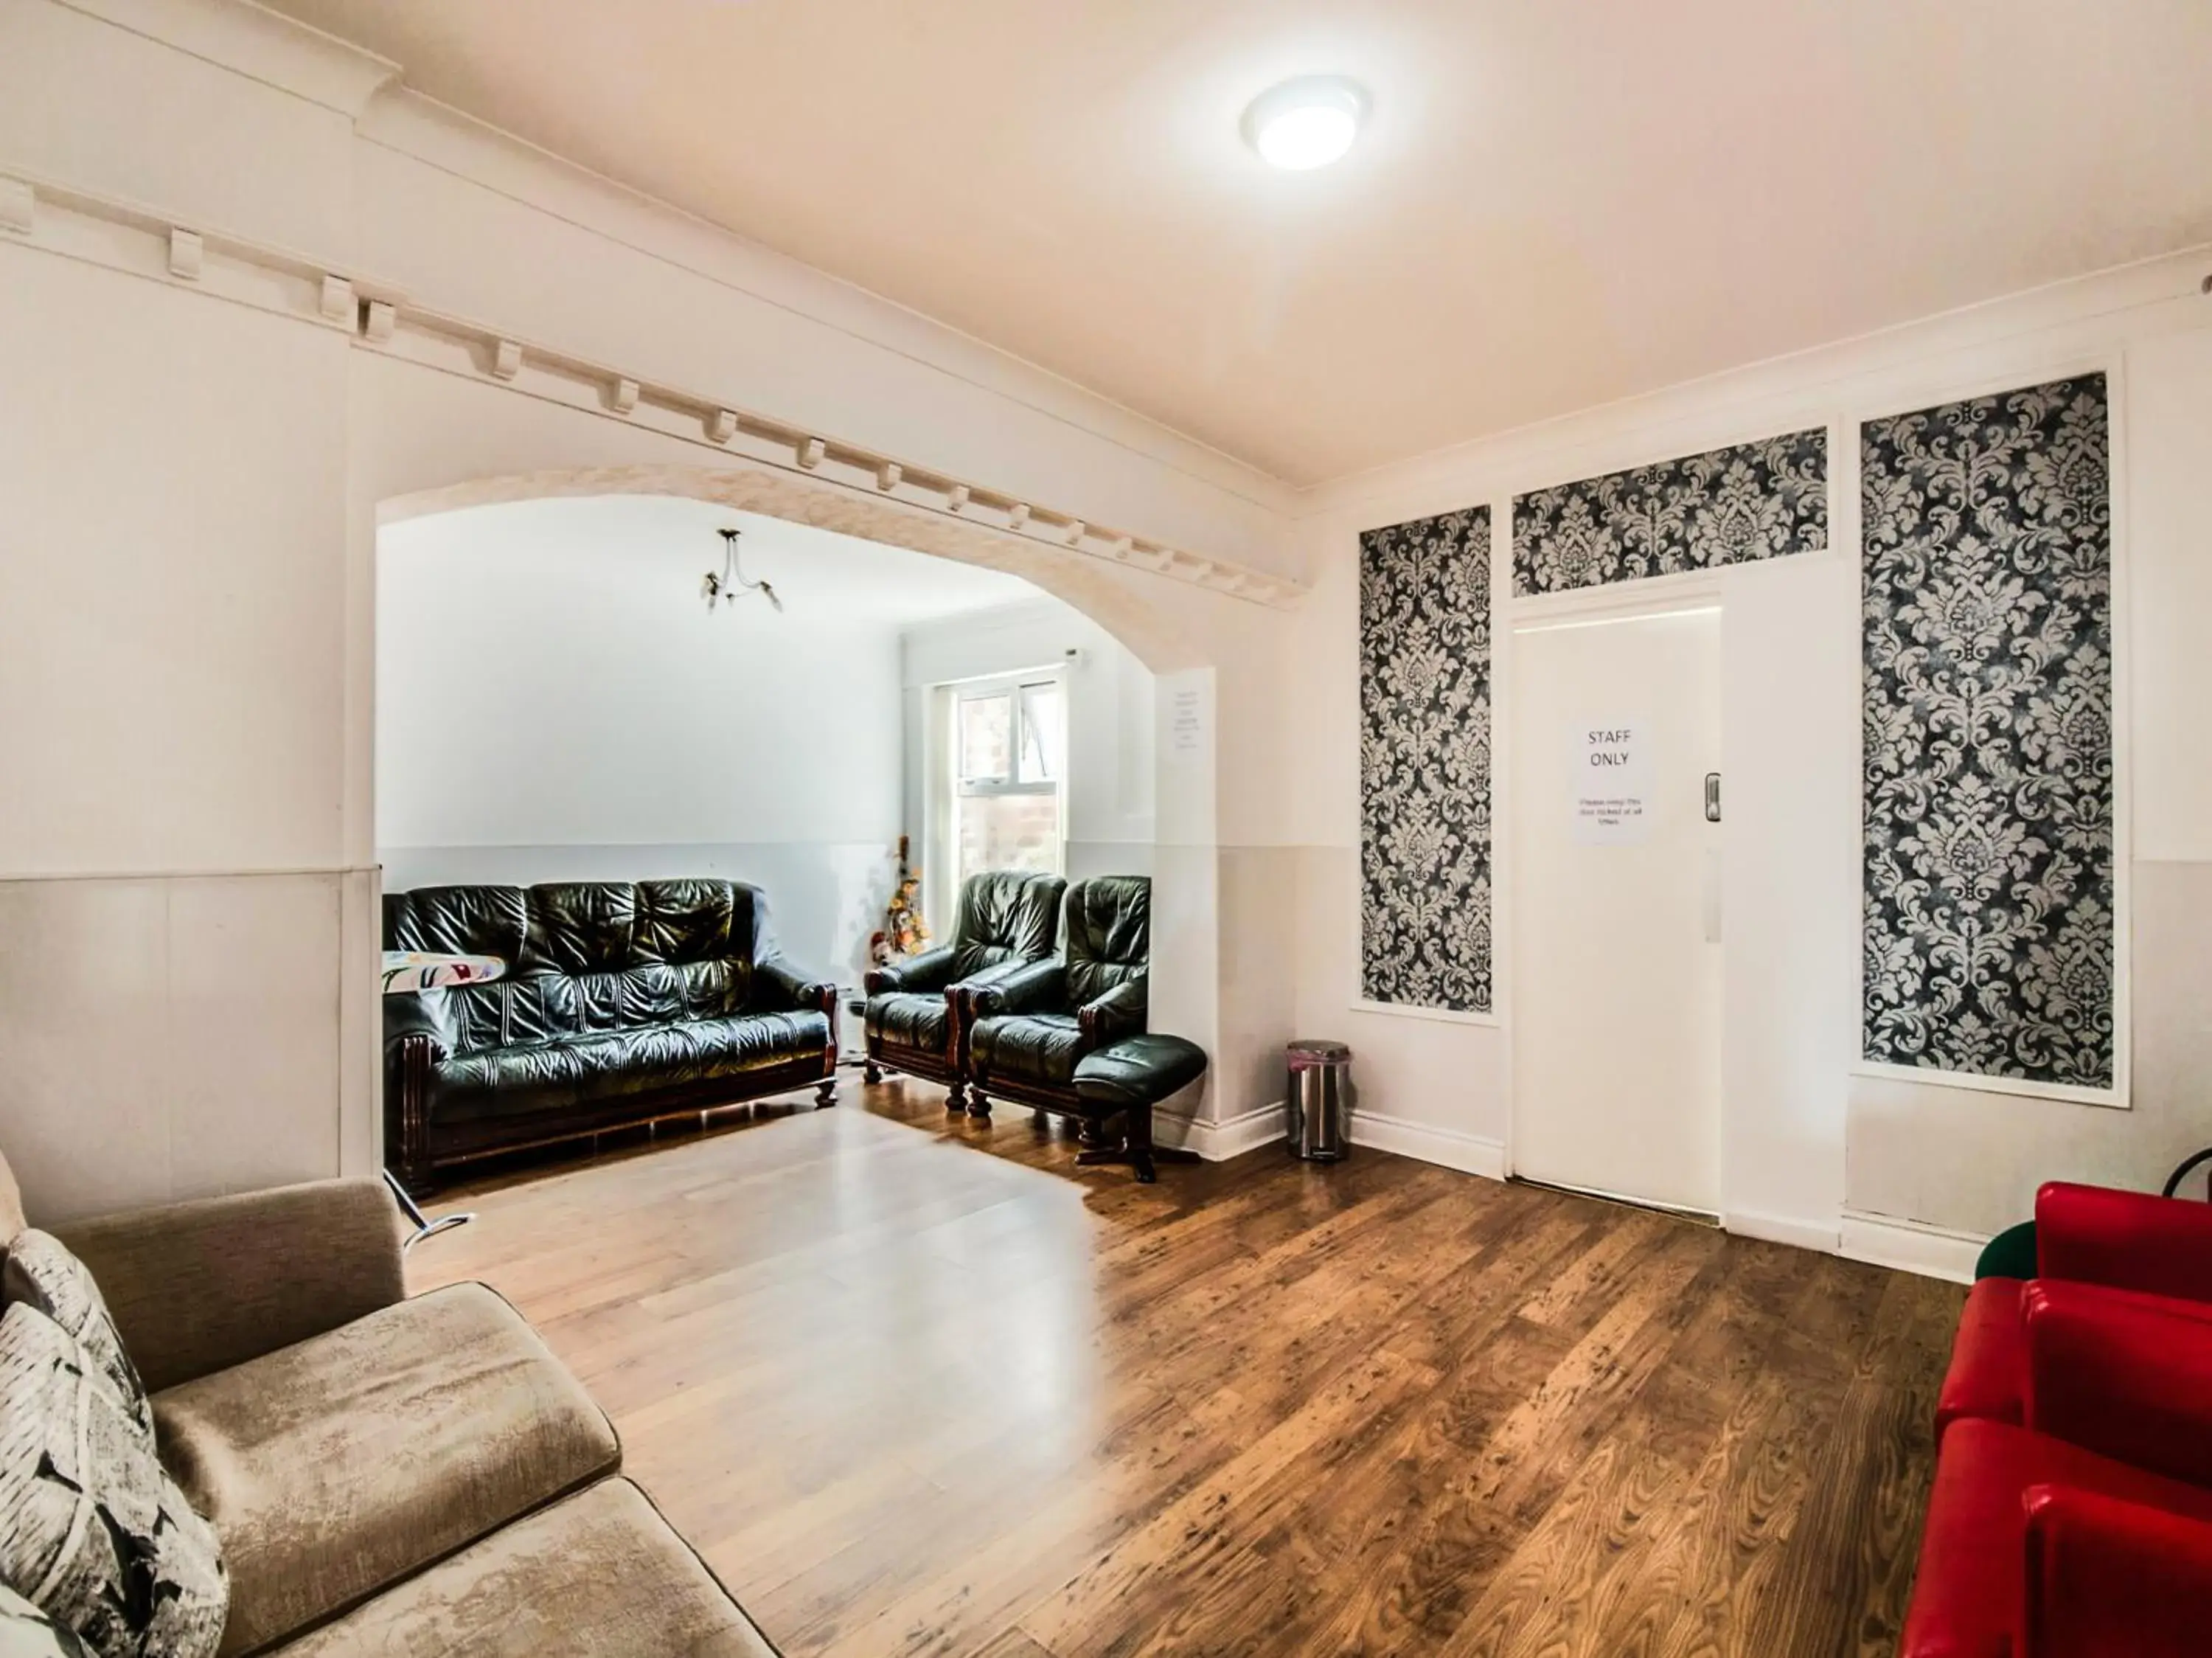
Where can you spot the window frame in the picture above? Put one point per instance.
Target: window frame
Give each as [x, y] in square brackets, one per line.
[949, 788]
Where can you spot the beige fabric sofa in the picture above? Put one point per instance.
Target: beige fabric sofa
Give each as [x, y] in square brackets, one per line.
[387, 1475]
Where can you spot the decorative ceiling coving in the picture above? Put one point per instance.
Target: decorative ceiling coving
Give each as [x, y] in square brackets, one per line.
[1550, 207]
[1988, 702]
[1763, 500]
[1424, 857]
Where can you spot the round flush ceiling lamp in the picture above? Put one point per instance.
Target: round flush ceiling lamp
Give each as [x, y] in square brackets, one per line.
[1306, 123]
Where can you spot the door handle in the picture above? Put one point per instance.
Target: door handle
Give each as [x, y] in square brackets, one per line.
[1712, 797]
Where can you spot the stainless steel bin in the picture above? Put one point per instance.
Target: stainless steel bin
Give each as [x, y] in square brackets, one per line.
[1321, 1078]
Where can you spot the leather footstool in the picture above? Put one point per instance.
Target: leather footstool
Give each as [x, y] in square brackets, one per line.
[1126, 1079]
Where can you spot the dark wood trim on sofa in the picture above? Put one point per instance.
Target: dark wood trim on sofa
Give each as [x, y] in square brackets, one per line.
[418, 1153]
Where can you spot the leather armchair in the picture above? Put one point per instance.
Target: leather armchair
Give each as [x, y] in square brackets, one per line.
[1028, 1030]
[1006, 921]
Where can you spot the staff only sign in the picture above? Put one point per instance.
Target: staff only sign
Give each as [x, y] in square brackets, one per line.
[1612, 766]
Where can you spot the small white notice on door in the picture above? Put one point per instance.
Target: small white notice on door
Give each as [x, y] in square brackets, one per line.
[1612, 762]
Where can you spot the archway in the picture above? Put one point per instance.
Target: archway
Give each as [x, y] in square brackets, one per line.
[410, 473]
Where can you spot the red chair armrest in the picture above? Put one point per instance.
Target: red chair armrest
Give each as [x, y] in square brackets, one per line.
[2127, 1377]
[2106, 1576]
[2130, 1239]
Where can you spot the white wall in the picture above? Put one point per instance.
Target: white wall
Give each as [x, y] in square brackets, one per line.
[193, 467]
[1110, 726]
[1817, 1152]
[555, 702]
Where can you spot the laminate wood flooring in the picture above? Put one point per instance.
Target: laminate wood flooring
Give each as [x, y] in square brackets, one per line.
[915, 1384]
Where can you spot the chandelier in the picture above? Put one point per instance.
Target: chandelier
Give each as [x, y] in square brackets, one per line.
[732, 582]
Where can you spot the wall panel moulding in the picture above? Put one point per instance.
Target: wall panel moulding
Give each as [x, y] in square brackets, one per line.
[187, 255]
[338, 302]
[132, 238]
[19, 205]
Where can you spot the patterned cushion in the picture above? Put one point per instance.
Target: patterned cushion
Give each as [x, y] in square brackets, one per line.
[91, 1528]
[27, 1632]
[41, 1272]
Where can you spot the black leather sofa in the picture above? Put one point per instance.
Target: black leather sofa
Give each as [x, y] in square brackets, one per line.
[1005, 919]
[623, 1004]
[1028, 1029]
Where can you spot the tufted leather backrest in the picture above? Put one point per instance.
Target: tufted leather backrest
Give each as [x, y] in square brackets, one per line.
[1006, 915]
[582, 955]
[1109, 934]
[458, 920]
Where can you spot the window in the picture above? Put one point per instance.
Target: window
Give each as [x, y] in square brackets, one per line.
[1009, 761]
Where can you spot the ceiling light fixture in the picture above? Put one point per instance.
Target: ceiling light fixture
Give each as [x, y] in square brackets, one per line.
[732, 582]
[1306, 123]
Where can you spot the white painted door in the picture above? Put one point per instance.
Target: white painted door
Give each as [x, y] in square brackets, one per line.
[1616, 993]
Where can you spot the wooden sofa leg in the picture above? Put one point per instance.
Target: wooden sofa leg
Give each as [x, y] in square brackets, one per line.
[1139, 1143]
[825, 1093]
[871, 1072]
[978, 1105]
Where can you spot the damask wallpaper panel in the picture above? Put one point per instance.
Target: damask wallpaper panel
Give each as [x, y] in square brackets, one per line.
[1425, 832]
[1987, 687]
[1763, 500]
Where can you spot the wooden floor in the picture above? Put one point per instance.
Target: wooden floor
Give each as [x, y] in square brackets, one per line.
[916, 1385]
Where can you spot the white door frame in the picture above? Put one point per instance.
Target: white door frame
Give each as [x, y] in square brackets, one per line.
[1622, 601]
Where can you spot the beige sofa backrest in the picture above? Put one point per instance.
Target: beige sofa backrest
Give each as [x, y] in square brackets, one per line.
[11, 1205]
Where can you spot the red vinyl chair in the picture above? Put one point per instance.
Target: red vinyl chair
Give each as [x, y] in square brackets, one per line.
[2086, 1533]
[2135, 1246]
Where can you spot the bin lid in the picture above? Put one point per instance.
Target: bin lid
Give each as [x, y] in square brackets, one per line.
[1312, 1051]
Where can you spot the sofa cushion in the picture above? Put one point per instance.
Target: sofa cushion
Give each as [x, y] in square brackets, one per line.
[1968, 1594]
[41, 1272]
[1036, 1047]
[914, 1019]
[581, 927]
[1109, 934]
[457, 921]
[693, 920]
[598, 1575]
[91, 1529]
[340, 1463]
[27, 1632]
[547, 1076]
[1138, 1071]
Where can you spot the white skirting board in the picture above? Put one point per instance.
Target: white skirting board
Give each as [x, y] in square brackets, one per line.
[1826, 1237]
[1931, 1250]
[1449, 1147]
[1218, 1142]
[1878, 1240]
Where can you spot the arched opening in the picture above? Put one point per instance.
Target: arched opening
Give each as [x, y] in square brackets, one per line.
[557, 701]
[1136, 796]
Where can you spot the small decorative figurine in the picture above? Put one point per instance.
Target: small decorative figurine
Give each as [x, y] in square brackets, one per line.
[903, 932]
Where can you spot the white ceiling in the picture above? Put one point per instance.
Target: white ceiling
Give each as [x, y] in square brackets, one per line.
[1558, 203]
[579, 543]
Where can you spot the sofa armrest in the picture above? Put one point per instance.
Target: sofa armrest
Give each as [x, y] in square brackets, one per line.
[2106, 1575]
[1034, 987]
[1122, 1011]
[2130, 1239]
[2127, 1377]
[412, 1013]
[198, 1287]
[780, 987]
[930, 971]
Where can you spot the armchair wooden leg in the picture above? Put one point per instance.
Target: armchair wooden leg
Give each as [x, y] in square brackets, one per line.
[956, 1097]
[1140, 1144]
[825, 1093]
[871, 1072]
[977, 1104]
